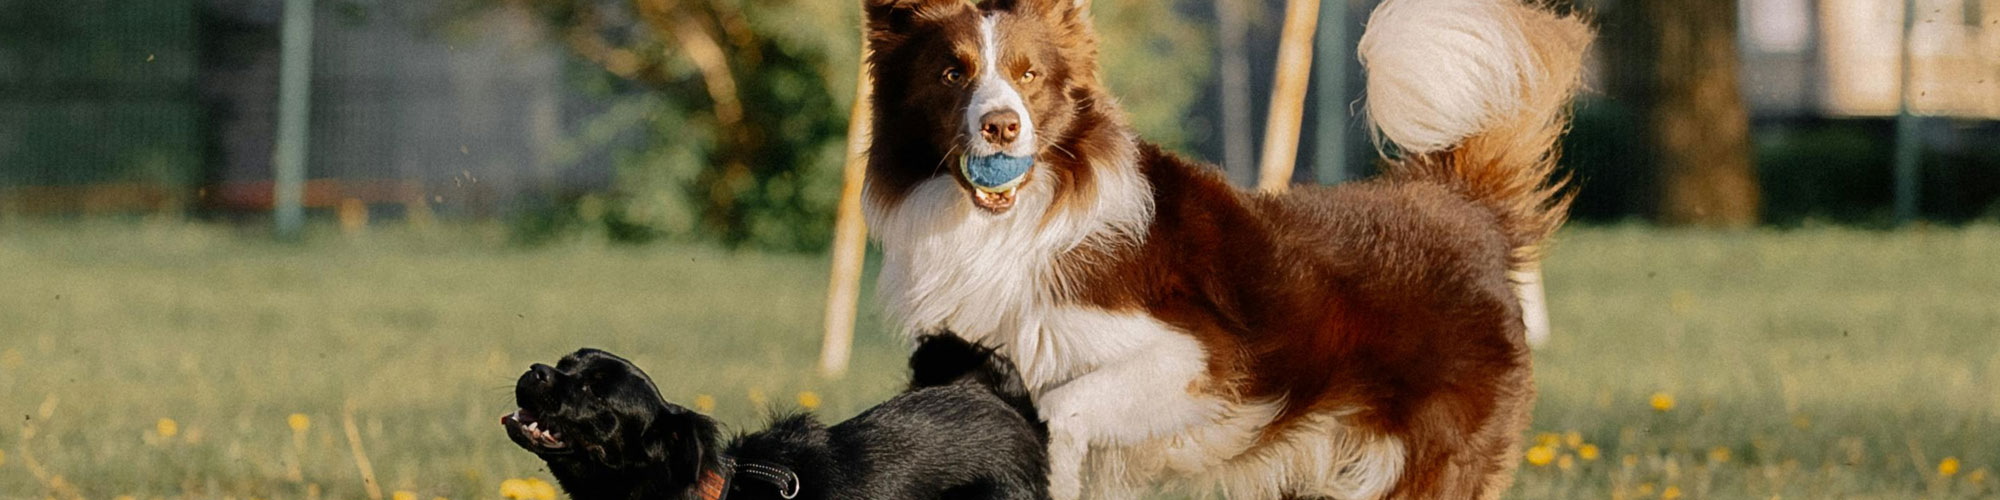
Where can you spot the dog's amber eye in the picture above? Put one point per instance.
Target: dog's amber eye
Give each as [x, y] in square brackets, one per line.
[1030, 76]
[954, 75]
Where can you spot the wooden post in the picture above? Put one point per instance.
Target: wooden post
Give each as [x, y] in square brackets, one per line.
[1534, 303]
[1288, 95]
[850, 237]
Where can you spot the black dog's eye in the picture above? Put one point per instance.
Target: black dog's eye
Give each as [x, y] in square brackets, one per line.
[953, 76]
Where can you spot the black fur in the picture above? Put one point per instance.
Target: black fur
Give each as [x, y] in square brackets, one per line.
[964, 429]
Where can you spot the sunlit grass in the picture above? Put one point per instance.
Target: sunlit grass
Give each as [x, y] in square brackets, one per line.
[1820, 363]
[170, 359]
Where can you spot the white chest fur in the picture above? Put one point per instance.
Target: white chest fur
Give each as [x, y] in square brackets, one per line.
[992, 279]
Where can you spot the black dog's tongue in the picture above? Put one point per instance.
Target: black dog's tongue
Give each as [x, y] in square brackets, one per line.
[519, 416]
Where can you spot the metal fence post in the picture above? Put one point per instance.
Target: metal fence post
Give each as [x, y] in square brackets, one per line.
[1908, 147]
[294, 108]
[1334, 53]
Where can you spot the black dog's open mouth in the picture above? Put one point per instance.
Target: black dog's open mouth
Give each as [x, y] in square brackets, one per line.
[531, 434]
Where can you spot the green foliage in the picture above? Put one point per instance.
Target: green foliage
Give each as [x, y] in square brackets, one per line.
[1155, 59]
[778, 193]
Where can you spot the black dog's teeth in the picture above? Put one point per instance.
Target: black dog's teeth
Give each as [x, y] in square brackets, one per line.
[545, 437]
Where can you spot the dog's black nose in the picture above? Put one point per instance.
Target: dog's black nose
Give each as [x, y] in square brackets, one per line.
[541, 374]
[1000, 127]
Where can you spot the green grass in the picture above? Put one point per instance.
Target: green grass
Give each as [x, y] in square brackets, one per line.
[1829, 363]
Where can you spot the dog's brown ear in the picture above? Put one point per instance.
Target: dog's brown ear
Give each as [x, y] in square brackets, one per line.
[891, 19]
[1067, 11]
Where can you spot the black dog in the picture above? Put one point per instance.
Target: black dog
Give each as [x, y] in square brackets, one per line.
[965, 429]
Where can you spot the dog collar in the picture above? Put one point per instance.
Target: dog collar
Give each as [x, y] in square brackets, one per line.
[786, 481]
[713, 486]
[716, 486]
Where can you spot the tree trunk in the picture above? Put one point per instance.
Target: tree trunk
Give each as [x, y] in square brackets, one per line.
[1701, 132]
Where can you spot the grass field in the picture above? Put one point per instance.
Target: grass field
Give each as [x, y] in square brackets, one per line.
[170, 359]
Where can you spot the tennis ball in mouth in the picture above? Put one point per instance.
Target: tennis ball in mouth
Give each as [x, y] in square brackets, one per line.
[996, 172]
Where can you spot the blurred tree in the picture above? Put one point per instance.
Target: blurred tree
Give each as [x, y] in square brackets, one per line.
[744, 126]
[746, 141]
[1682, 73]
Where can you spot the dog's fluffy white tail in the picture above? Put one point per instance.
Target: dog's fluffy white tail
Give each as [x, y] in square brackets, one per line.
[1473, 94]
[1440, 71]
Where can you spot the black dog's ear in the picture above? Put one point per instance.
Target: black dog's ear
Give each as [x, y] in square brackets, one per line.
[684, 441]
[945, 358]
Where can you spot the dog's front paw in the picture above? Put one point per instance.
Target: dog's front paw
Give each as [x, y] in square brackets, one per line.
[1067, 452]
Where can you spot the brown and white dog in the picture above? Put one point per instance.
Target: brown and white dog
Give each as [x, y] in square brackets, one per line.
[1359, 341]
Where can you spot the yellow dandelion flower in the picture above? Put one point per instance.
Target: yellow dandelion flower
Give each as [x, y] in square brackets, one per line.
[1630, 460]
[1566, 462]
[1662, 401]
[1587, 452]
[757, 397]
[299, 422]
[542, 489]
[1671, 493]
[809, 400]
[1645, 488]
[1573, 439]
[1681, 302]
[1948, 466]
[1718, 455]
[403, 495]
[516, 489]
[704, 403]
[1548, 439]
[167, 427]
[1541, 455]
[10, 358]
[1977, 477]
